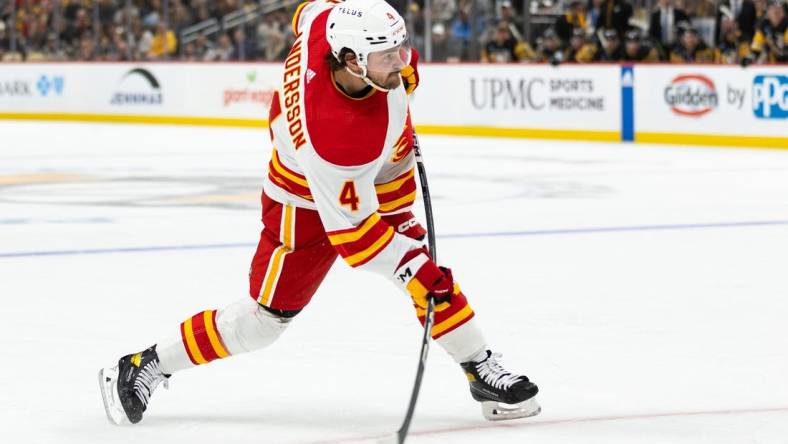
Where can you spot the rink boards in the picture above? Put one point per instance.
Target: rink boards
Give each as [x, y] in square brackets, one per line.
[686, 104]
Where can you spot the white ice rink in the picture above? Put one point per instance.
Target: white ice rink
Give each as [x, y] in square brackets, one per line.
[644, 288]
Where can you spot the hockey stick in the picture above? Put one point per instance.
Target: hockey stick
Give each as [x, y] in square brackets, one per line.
[429, 317]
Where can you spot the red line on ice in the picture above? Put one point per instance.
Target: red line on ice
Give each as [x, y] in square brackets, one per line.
[536, 423]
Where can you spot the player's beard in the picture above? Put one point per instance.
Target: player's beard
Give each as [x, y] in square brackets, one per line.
[391, 81]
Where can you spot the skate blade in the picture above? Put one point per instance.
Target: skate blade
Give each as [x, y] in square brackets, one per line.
[107, 378]
[495, 411]
[388, 439]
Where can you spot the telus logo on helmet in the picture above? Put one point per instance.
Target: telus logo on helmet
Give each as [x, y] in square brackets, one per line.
[353, 12]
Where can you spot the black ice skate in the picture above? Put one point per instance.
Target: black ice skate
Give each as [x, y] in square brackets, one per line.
[127, 387]
[503, 395]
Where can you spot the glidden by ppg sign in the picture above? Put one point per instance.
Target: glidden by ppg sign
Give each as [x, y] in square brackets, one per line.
[691, 95]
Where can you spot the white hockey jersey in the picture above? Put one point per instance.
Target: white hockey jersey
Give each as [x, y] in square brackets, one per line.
[351, 159]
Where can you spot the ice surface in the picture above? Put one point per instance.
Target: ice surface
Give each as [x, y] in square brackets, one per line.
[643, 288]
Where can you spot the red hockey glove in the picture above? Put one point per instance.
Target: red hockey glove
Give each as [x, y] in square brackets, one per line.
[423, 278]
[410, 73]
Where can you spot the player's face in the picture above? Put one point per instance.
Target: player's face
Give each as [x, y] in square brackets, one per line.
[383, 67]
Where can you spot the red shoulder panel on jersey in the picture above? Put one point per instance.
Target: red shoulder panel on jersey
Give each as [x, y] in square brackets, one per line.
[344, 131]
[273, 112]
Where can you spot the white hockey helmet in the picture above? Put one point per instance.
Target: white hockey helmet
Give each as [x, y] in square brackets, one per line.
[374, 31]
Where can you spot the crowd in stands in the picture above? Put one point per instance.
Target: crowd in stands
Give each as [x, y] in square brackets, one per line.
[492, 31]
[117, 30]
[742, 32]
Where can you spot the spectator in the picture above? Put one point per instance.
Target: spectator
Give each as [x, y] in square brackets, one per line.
[615, 14]
[636, 50]
[36, 36]
[5, 40]
[579, 50]
[163, 44]
[271, 38]
[574, 18]
[121, 52]
[203, 10]
[760, 12]
[107, 10]
[700, 8]
[76, 28]
[150, 14]
[124, 14]
[71, 10]
[227, 6]
[732, 49]
[691, 49]
[182, 17]
[143, 38]
[443, 11]
[244, 48]
[663, 26]
[770, 43]
[105, 49]
[87, 48]
[504, 47]
[507, 13]
[461, 33]
[202, 46]
[594, 13]
[441, 49]
[550, 48]
[223, 50]
[741, 12]
[611, 47]
[189, 53]
[53, 50]
[746, 18]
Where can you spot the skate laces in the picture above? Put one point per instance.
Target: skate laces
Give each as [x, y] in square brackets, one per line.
[149, 377]
[492, 373]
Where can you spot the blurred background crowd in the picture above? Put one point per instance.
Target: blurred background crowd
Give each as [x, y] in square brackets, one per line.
[490, 31]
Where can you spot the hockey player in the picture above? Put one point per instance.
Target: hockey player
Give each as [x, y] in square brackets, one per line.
[339, 183]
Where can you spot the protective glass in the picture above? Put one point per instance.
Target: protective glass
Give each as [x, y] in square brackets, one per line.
[390, 60]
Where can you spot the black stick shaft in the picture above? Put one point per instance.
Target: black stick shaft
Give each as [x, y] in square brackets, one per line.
[429, 320]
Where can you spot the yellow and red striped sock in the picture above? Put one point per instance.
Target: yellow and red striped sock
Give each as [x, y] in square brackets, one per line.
[201, 338]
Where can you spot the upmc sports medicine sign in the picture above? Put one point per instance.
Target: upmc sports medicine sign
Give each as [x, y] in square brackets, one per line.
[519, 96]
[691, 95]
[557, 93]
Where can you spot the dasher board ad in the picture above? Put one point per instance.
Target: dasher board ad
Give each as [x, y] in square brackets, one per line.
[520, 96]
[712, 100]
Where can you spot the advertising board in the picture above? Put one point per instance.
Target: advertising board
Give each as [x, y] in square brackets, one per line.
[723, 104]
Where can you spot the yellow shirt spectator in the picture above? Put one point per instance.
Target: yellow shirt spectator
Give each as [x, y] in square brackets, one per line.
[163, 43]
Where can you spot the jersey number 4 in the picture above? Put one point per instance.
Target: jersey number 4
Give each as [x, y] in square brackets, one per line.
[348, 197]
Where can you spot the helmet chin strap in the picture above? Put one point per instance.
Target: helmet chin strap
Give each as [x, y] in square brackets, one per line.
[367, 80]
